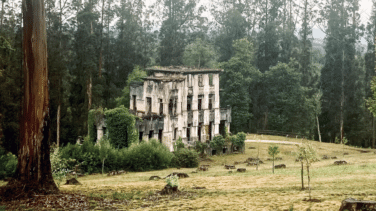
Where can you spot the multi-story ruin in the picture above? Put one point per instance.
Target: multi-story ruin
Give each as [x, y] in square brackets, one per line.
[178, 102]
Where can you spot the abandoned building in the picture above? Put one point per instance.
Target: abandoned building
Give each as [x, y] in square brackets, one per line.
[175, 102]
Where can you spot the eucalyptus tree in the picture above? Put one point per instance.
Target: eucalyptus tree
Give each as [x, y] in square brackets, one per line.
[230, 17]
[33, 171]
[268, 36]
[370, 66]
[10, 75]
[341, 76]
[178, 20]
[238, 80]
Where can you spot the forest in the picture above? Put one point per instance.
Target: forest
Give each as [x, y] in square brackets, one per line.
[275, 77]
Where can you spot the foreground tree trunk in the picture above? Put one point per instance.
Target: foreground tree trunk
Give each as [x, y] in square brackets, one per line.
[33, 173]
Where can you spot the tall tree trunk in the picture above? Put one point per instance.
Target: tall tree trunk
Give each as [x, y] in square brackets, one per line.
[309, 179]
[2, 14]
[373, 119]
[302, 174]
[318, 127]
[58, 125]
[33, 172]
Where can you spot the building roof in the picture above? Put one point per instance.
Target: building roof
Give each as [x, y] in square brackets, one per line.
[182, 70]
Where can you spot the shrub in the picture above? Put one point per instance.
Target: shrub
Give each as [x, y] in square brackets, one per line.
[179, 144]
[217, 143]
[238, 140]
[147, 156]
[173, 181]
[58, 165]
[95, 116]
[144, 156]
[121, 127]
[201, 147]
[8, 164]
[185, 158]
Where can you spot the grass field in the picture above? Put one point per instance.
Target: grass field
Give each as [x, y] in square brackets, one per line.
[252, 190]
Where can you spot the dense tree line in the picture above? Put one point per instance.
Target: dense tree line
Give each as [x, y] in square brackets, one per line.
[274, 79]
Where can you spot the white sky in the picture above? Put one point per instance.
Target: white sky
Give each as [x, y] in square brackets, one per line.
[365, 8]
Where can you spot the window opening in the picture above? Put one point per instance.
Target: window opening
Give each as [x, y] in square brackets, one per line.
[189, 103]
[160, 107]
[200, 80]
[148, 108]
[134, 103]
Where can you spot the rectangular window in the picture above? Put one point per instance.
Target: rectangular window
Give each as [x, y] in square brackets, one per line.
[134, 102]
[200, 98]
[151, 134]
[148, 106]
[140, 136]
[160, 107]
[188, 133]
[200, 80]
[211, 100]
[211, 79]
[199, 131]
[160, 135]
[175, 133]
[189, 103]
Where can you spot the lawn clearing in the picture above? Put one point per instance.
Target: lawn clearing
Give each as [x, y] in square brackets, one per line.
[252, 190]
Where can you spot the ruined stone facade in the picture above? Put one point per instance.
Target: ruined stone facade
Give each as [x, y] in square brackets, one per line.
[179, 102]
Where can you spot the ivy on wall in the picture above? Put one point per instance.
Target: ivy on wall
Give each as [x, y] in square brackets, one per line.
[121, 127]
[94, 118]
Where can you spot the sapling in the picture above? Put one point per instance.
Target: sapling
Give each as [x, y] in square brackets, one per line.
[273, 151]
[308, 154]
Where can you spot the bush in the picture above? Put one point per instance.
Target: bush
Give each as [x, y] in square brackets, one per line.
[185, 158]
[238, 140]
[217, 143]
[146, 156]
[179, 144]
[201, 147]
[121, 127]
[8, 164]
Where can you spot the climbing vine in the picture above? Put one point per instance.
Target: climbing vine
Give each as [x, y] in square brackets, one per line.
[121, 127]
[94, 118]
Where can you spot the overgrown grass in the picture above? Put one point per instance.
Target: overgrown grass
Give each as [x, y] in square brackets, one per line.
[252, 190]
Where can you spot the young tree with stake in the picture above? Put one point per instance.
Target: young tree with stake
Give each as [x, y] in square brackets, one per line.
[273, 151]
[308, 154]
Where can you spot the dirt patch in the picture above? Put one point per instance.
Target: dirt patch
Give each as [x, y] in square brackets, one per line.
[62, 201]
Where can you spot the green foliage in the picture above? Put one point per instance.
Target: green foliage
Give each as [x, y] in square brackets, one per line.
[217, 143]
[238, 77]
[94, 119]
[144, 156]
[273, 150]
[8, 164]
[307, 153]
[238, 140]
[121, 127]
[201, 147]
[104, 149]
[59, 165]
[136, 75]
[178, 144]
[173, 181]
[198, 54]
[147, 156]
[185, 158]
